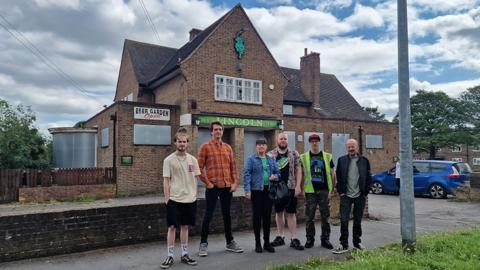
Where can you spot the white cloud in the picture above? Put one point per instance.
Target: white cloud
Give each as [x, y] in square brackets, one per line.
[118, 11]
[364, 16]
[66, 4]
[275, 2]
[327, 5]
[445, 5]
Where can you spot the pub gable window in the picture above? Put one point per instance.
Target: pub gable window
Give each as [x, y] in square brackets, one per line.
[238, 90]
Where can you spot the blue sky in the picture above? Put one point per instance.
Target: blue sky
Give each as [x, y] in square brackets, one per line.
[356, 41]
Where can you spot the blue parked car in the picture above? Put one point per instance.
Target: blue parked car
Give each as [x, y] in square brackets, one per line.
[435, 178]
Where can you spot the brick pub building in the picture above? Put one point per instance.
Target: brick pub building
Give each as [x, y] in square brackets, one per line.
[225, 73]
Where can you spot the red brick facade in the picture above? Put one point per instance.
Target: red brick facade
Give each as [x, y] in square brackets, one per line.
[190, 92]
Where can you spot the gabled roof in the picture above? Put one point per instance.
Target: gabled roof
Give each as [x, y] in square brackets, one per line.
[185, 51]
[147, 58]
[335, 100]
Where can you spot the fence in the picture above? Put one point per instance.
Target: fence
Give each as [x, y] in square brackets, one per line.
[12, 180]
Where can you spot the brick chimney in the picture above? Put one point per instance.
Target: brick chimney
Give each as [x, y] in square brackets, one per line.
[194, 32]
[310, 77]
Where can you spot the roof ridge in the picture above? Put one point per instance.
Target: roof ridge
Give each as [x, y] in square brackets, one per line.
[150, 44]
[322, 73]
[173, 61]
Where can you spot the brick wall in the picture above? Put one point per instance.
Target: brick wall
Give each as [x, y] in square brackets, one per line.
[61, 193]
[380, 159]
[144, 175]
[44, 234]
[217, 56]
[127, 83]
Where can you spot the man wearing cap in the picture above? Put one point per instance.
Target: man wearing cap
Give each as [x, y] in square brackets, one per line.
[318, 182]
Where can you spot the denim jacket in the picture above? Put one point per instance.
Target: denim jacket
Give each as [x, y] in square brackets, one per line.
[253, 173]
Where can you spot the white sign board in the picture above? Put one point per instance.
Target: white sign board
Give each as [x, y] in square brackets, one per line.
[151, 113]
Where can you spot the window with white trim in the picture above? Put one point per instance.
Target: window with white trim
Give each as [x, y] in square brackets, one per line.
[457, 159]
[476, 148]
[129, 97]
[476, 161]
[457, 148]
[238, 90]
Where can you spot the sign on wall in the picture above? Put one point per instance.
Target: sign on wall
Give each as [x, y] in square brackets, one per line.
[151, 113]
[205, 120]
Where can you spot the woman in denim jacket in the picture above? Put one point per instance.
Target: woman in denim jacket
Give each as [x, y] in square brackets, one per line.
[259, 170]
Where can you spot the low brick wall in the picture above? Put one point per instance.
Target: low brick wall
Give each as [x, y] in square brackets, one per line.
[62, 193]
[58, 232]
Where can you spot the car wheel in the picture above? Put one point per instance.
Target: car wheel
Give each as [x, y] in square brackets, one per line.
[437, 191]
[377, 188]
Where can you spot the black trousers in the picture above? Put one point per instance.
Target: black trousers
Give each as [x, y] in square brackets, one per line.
[211, 196]
[346, 204]
[262, 214]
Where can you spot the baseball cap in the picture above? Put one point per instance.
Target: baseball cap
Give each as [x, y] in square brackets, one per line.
[313, 137]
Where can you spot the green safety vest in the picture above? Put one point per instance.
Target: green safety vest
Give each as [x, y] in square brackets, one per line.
[307, 176]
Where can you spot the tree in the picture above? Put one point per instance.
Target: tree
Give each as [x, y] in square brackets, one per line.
[375, 114]
[21, 145]
[469, 134]
[436, 120]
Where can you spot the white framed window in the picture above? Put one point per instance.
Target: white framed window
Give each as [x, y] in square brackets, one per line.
[287, 109]
[238, 90]
[291, 139]
[476, 161]
[476, 148]
[129, 97]
[374, 141]
[457, 159]
[457, 148]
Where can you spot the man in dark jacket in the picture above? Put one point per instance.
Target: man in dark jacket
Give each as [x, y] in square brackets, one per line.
[353, 184]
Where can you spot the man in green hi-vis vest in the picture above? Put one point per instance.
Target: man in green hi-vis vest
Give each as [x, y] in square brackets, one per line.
[318, 182]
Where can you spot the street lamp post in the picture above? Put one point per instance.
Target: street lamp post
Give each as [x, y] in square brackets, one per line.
[407, 200]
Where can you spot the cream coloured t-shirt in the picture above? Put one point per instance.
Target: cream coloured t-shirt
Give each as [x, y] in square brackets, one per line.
[182, 172]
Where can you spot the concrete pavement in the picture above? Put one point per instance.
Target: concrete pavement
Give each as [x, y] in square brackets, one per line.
[431, 215]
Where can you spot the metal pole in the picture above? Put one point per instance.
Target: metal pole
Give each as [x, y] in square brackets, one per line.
[407, 200]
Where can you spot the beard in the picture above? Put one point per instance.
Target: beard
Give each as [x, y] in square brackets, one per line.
[282, 147]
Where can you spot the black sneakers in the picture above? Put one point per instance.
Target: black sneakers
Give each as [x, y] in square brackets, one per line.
[278, 241]
[326, 244]
[295, 243]
[187, 260]
[268, 247]
[258, 248]
[167, 263]
[309, 243]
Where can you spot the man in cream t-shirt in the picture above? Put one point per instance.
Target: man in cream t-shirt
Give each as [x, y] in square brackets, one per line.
[180, 173]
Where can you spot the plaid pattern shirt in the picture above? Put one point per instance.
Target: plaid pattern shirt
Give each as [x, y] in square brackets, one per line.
[217, 159]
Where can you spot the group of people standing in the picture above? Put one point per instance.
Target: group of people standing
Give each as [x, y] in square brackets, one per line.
[311, 174]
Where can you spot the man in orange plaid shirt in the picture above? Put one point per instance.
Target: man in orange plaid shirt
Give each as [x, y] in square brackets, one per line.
[219, 173]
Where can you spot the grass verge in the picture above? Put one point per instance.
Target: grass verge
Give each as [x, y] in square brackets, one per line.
[436, 251]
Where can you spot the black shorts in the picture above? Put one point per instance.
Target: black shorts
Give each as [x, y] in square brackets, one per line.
[290, 206]
[181, 213]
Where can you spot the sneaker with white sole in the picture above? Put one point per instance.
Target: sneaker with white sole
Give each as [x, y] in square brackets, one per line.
[234, 247]
[167, 263]
[340, 250]
[203, 250]
[187, 260]
[359, 246]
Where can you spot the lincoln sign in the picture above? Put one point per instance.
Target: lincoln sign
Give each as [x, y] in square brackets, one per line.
[151, 113]
[202, 120]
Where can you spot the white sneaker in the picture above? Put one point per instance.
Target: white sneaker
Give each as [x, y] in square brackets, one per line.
[340, 250]
[203, 250]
